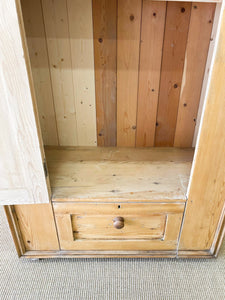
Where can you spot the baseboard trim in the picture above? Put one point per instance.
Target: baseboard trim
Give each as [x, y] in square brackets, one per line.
[100, 254]
[195, 254]
[118, 254]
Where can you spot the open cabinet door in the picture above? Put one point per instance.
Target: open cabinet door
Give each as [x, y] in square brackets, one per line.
[23, 178]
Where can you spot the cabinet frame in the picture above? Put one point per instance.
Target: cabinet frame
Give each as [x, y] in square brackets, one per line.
[209, 161]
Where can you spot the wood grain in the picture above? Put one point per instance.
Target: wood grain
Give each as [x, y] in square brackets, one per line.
[15, 229]
[22, 178]
[207, 69]
[175, 40]
[37, 226]
[82, 51]
[206, 190]
[58, 41]
[119, 176]
[76, 154]
[36, 41]
[101, 226]
[128, 46]
[152, 32]
[194, 66]
[105, 44]
[137, 234]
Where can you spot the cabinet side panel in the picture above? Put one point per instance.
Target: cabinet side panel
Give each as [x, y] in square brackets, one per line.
[207, 189]
[194, 66]
[37, 226]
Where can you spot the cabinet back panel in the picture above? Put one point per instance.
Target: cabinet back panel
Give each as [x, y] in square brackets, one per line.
[118, 73]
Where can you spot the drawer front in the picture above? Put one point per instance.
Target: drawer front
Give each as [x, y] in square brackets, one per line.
[113, 226]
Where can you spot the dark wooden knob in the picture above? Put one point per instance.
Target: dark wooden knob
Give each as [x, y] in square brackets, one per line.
[118, 222]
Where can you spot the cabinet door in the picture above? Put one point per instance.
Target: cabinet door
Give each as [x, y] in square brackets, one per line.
[22, 176]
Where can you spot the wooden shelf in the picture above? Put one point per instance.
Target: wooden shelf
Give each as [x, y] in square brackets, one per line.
[106, 174]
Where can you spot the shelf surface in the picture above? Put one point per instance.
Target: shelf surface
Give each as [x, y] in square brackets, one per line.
[105, 174]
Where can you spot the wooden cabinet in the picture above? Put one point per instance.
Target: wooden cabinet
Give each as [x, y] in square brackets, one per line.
[112, 127]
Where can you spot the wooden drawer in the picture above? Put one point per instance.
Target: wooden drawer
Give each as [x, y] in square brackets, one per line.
[93, 226]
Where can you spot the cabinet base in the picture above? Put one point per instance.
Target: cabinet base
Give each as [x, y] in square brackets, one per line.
[117, 254]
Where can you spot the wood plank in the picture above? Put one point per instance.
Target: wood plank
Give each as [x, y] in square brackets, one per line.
[105, 44]
[134, 215]
[206, 195]
[126, 208]
[37, 226]
[105, 176]
[57, 33]
[176, 32]
[152, 32]
[206, 75]
[21, 152]
[15, 229]
[175, 155]
[128, 44]
[194, 66]
[36, 41]
[82, 51]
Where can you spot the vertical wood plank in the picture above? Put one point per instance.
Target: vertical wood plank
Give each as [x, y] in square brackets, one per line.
[128, 44]
[206, 195]
[207, 69]
[57, 32]
[36, 42]
[175, 40]
[152, 32]
[195, 60]
[82, 49]
[104, 26]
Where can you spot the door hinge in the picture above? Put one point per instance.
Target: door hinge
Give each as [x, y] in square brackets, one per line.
[45, 168]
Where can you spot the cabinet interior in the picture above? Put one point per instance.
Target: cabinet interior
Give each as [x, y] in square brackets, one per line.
[119, 87]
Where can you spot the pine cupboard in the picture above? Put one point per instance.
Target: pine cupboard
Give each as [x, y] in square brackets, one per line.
[112, 127]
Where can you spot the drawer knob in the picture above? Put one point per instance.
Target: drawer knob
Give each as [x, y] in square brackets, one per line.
[118, 222]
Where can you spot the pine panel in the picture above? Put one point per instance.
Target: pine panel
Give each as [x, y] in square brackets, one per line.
[57, 32]
[152, 32]
[82, 54]
[195, 60]
[175, 40]
[36, 42]
[128, 45]
[104, 27]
